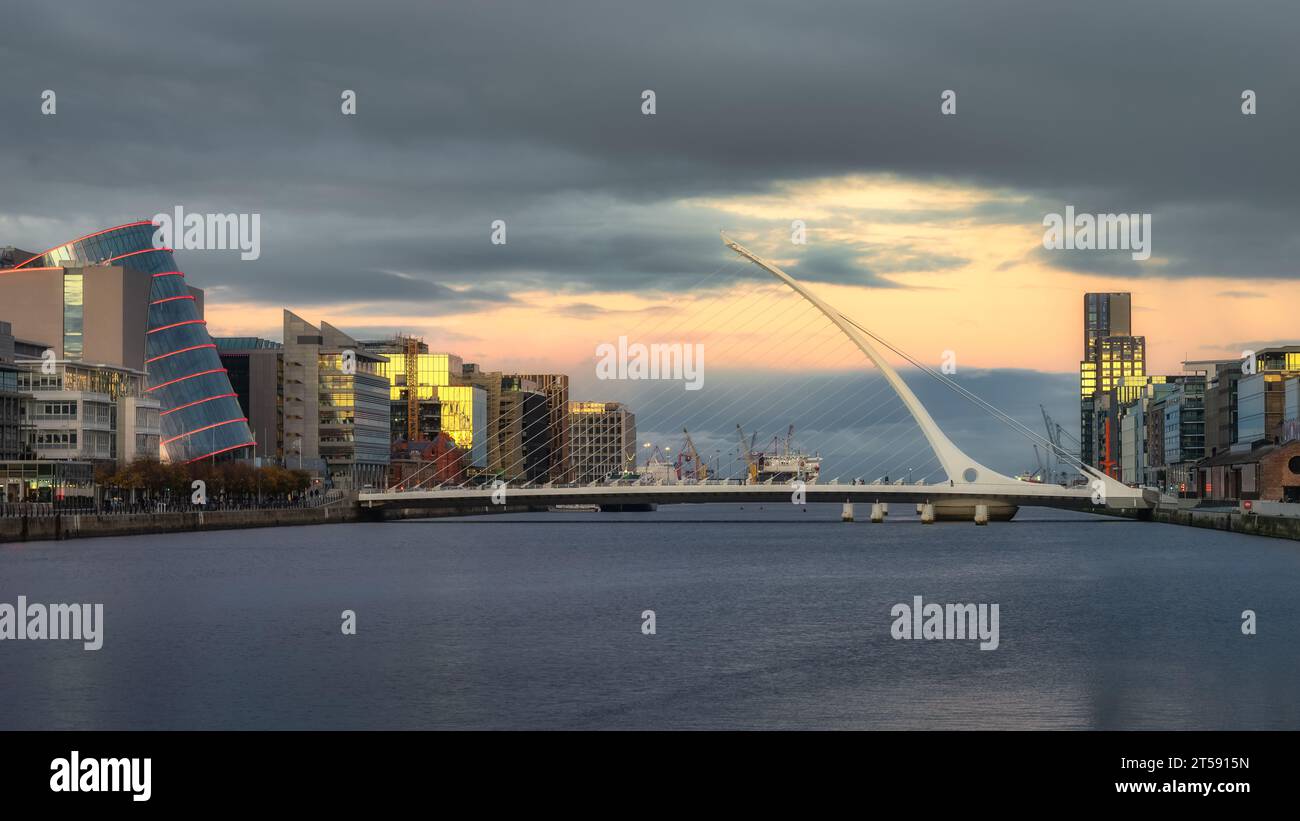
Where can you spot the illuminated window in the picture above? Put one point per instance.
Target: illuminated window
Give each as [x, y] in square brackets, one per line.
[73, 316]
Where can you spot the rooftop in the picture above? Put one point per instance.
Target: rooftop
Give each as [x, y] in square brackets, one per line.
[245, 343]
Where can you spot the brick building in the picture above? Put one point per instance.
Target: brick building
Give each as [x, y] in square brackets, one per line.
[1269, 473]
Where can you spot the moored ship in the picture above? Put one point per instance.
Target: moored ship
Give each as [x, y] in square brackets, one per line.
[782, 463]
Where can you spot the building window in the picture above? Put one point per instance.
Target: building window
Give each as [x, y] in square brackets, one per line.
[73, 316]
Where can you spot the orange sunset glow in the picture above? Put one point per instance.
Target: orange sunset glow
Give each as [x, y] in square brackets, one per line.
[998, 306]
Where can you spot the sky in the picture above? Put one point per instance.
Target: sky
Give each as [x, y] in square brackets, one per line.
[924, 227]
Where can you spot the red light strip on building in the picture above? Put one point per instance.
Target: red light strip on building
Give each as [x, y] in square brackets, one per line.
[199, 402]
[170, 274]
[223, 450]
[178, 324]
[183, 378]
[182, 350]
[205, 427]
[88, 236]
[169, 299]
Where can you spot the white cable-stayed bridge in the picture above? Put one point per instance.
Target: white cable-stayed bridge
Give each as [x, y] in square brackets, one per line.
[960, 487]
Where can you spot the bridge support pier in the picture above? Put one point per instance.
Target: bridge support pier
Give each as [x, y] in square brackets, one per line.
[846, 513]
[981, 514]
[927, 514]
[877, 513]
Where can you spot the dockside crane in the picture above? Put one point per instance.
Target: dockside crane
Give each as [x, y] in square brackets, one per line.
[1058, 452]
[700, 469]
[747, 452]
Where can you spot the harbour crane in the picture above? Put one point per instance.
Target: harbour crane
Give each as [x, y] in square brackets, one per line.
[699, 468]
[1058, 452]
[747, 452]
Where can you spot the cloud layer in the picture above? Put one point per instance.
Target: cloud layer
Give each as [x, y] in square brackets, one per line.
[469, 112]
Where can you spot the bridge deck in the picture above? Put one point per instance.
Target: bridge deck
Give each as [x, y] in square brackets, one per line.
[1018, 493]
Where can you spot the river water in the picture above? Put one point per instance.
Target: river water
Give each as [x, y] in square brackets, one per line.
[771, 617]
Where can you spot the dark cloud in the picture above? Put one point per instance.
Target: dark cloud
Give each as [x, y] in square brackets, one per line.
[836, 264]
[530, 112]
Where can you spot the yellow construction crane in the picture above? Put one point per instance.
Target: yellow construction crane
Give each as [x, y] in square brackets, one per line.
[747, 453]
[701, 469]
[411, 354]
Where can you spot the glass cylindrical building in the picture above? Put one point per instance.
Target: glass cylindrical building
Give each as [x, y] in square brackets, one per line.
[200, 412]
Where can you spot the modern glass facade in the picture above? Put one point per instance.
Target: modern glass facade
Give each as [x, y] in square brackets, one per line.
[555, 386]
[461, 409]
[353, 413]
[1185, 423]
[1105, 314]
[1278, 359]
[1120, 357]
[463, 417]
[1114, 360]
[201, 417]
[434, 370]
[1252, 392]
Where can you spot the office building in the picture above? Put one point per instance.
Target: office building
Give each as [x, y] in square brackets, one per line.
[336, 409]
[1221, 378]
[22, 477]
[1261, 396]
[462, 414]
[496, 456]
[517, 434]
[1137, 402]
[92, 413]
[523, 436]
[1252, 435]
[12, 402]
[433, 385]
[1122, 432]
[1105, 315]
[602, 440]
[1161, 423]
[1290, 429]
[1183, 435]
[1110, 353]
[555, 387]
[405, 360]
[255, 367]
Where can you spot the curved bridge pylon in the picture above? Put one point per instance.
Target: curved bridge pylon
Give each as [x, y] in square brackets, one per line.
[960, 468]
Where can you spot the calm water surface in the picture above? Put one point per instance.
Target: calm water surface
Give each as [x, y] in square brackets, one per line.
[766, 618]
